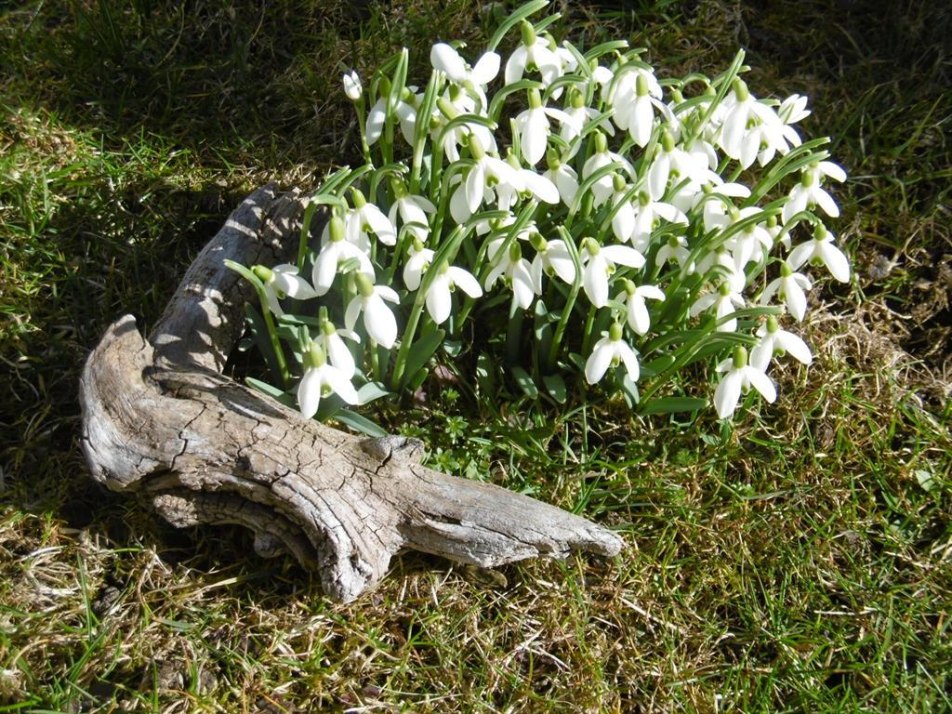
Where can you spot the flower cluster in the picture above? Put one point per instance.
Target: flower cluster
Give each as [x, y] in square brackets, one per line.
[641, 224]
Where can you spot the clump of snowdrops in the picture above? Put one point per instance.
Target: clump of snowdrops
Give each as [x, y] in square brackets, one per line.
[563, 217]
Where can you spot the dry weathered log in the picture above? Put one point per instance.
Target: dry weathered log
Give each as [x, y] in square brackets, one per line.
[160, 420]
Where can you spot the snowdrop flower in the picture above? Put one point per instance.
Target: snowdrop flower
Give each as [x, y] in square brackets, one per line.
[577, 116]
[821, 250]
[365, 218]
[635, 96]
[599, 265]
[516, 270]
[810, 192]
[739, 378]
[601, 157]
[747, 125]
[674, 163]
[723, 302]
[487, 173]
[352, 86]
[438, 298]
[533, 184]
[532, 126]
[609, 351]
[793, 109]
[280, 282]
[773, 341]
[563, 176]
[750, 244]
[336, 251]
[379, 321]
[533, 54]
[634, 300]
[474, 79]
[648, 215]
[406, 111]
[675, 248]
[321, 380]
[791, 287]
[412, 211]
[552, 258]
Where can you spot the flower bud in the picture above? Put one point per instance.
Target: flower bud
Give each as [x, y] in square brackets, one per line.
[352, 87]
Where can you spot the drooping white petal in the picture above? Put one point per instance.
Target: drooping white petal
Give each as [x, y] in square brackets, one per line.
[465, 281]
[761, 382]
[486, 68]
[728, 393]
[598, 362]
[834, 260]
[438, 300]
[379, 321]
[339, 356]
[446, 59]
[340, 384]
[516, 65]
[623, 255]
[629, 359]
[309, 393]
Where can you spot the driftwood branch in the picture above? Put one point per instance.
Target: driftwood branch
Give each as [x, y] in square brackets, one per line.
[160, 420]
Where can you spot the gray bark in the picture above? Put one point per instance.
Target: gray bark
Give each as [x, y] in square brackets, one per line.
[161, 420]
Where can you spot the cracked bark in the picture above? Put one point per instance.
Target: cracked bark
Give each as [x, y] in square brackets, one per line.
[161, 421]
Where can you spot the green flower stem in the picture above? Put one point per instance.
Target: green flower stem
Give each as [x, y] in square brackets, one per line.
[406, 341]
[587, 333]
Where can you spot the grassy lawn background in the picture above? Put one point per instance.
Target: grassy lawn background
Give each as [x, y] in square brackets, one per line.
[800, 561]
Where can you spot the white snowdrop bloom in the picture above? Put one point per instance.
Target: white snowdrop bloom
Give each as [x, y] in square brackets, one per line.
[676, 248]
[406, 111]
[564, 178]
[412, 212]
[722, 303]
[774, 341]
[516, 271]
[809, 192]
[599, 264]
[533, 55]
[634, 99]
[352, 86]
[577, 116]
[821, 250]
[438, 298]
[672, 163]
[331, 341]
[750, 244]
[739, 378]
[793, 109]
[791, 288]
[648, 216]
[321, 380]
[747, 124]
[378, 319]
[601, 157]
[365, 219]
[721, 262]
[474, 79]
[552, 258]
[533, 184]
[337, 249]
[634, 300]
[532, 127]
[485, 175]
[280, 282]
[611, 350]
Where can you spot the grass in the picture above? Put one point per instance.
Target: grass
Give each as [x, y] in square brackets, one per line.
[801, 561]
